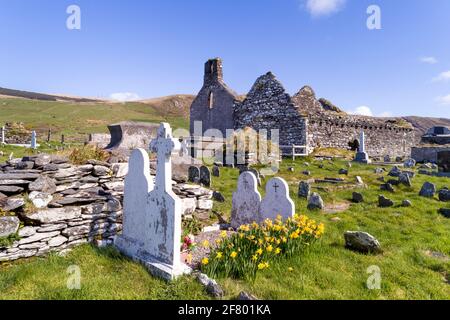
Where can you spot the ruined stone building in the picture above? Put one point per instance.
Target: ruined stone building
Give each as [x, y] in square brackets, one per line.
[301, 119]
[434, 147]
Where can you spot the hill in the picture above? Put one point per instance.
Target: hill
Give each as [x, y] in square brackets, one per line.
[422, 124]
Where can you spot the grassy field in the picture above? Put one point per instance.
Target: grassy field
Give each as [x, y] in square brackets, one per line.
[326, 270]
[80, 119]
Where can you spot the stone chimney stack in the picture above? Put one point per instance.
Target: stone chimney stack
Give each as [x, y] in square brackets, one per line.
[213, 70]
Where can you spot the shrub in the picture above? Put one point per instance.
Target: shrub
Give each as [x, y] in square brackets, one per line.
[87, 152]
[254, 247]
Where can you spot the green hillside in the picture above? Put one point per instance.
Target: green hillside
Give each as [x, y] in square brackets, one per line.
[75, 119]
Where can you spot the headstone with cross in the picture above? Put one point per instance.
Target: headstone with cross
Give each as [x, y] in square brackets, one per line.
[158, 244]
[246, 201]
[277, 201]
[33, 140]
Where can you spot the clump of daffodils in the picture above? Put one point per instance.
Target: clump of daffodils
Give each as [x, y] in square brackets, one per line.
[254, 246]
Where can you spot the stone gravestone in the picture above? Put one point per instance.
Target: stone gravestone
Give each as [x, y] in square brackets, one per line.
[205, 176]
[246, 201]
[33, 140]
[2, 135]
[157, 243]
[361, 155]
[138, 184]
[277, 201]
[216, 171]
[304, 189]
[194, 174]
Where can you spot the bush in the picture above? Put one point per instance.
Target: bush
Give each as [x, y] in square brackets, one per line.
[253, 247]
[87, 152]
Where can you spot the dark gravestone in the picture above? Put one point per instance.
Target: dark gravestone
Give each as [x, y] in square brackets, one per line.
[216, 171]
[194, 174]
[205, 176]
[444, 161]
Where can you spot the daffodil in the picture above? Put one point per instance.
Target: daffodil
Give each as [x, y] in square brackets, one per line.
[219, 255]
[261, 266]
[233, 255]
[259, 251]
[290, 269]
[223, 234]
[269, 248]
[277, 251]
[205, 244]
[205, 261]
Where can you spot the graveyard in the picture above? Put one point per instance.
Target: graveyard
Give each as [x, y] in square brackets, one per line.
[413, 256]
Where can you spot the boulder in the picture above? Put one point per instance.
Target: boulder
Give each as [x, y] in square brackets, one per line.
[444, 195]
[244, 296]
[343, 171]
[361, 242]
[43, 184]
[406, 203]
[384, 202]
[410, 163]
[359, 181]
[357, 197]
[211, 286]
[217, 196]
[405, 179]
[315, 202]
[445, 212]
[387, 187]
[428, 190]
[304, 189]
[42, 160]
[379, 170]
[8, 226]
[395, 172]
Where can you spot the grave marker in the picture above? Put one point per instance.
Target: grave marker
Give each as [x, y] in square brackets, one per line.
[246, 201]
[158, 245]
[277, 201]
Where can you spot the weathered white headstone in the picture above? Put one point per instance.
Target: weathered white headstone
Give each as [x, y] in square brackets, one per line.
[33, 140]
[138, 184]
[361, 155]
[277, 201]
[246, 201]
[2, 135]
[157, 241]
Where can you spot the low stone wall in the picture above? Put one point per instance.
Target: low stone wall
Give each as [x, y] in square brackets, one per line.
[428, 153]
[48, 204]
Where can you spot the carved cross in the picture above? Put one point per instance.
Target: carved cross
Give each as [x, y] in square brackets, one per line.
[163, 146]
[276, 186]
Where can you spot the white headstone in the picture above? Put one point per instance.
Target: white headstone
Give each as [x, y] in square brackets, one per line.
[157, 243]
[277, 201]
[362, 142]
[33, 140]
[138, 184]
[246, 201]
[2, 135]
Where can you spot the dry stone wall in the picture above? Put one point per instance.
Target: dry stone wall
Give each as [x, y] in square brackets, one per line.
[48, 204]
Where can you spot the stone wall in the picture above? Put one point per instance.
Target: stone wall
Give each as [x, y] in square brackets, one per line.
[268, 106]
[428, 153]
[213, 105]
[48, 204]
[332, 128]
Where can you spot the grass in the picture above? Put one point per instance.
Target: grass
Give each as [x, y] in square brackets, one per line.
[325, 271]
[77, 120]
[105, 274]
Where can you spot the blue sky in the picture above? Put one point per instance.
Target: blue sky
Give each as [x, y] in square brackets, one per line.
[151, 48]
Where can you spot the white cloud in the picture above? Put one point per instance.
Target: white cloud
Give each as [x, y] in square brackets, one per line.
[444, 101]
[362, 111]
[444, 76]
[125, 96]
[366, 111]
[324, 7]
[429, 60]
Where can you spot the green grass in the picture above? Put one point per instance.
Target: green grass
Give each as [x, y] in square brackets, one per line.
[105, 274]
[325, 271]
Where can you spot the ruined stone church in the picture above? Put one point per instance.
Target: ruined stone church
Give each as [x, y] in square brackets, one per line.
[301, 119]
